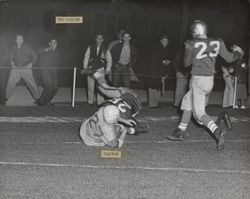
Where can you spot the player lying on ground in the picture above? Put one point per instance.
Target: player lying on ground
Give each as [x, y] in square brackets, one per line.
[201, 53]
[113, 120]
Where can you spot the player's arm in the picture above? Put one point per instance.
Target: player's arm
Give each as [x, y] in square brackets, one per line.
[123, 132]
[188, 55]
[129, 122]
[227, 55]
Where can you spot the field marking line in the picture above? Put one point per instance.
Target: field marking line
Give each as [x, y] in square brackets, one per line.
[51, 119]
[128, 142]
[127, 167]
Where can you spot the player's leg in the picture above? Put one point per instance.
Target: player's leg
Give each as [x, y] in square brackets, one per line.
[14, 78]
[201, 87]
[186, 106]
[85, 134]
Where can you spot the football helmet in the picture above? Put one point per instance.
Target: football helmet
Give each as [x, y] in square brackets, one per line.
[111, 114]
[132, 100]
[198, 29]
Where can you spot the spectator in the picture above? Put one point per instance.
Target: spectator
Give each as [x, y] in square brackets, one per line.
[249, 78]
[228, 94]
[97, 57]
[49, 57]
[182, 74]
[123, 59]
[158, 70]
[241, 75]
[22, 58]
[3, 72]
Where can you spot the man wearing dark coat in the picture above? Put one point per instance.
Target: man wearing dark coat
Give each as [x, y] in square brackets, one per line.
[159, 67]
[123, 60]
[49, 57]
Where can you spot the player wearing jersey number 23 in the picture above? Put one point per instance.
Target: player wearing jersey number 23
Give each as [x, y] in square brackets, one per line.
[201, 53]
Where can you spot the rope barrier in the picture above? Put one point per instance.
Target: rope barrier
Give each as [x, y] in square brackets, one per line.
[75, 69]
[112, 73]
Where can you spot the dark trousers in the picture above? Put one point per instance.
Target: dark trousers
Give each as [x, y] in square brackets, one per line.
[50, 83]
[3, 83]
[121, 76]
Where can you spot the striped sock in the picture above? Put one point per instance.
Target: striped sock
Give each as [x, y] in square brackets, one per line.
[212, 126]
[182, 126]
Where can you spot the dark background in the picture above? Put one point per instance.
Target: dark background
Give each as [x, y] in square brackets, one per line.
[145, 20]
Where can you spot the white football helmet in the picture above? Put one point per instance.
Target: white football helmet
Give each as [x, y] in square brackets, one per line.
[198, 29]
[111, 114]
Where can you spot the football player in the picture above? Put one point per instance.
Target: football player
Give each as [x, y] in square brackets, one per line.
[113, 120]
[103, 87]
[201, 53]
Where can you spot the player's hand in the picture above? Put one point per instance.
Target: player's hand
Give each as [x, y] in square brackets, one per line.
[131, 122]
[238, 49]
[125, 90]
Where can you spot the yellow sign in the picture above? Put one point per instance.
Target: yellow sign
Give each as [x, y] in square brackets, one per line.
[69, 20]
[111, 154]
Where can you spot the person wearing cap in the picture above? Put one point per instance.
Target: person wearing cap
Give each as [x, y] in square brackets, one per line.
[49, 57]
[22, 58]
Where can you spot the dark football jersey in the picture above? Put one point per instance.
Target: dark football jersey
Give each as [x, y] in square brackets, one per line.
[124, 108]
[202, 54]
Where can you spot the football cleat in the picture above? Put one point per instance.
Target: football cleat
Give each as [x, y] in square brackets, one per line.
[220, 139]
[198, 29]
[178, 135]
[226, 118]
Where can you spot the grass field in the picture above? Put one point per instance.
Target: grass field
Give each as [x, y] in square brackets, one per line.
[41, 156]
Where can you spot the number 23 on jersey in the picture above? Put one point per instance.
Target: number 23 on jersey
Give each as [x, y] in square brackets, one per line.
[212, 46]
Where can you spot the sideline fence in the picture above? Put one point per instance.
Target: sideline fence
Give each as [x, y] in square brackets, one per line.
[142, 75]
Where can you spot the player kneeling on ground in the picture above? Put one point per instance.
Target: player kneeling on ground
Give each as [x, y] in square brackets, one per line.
[113, 120]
